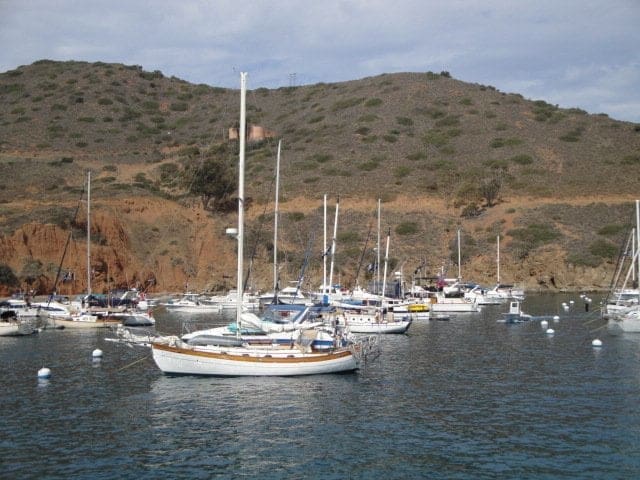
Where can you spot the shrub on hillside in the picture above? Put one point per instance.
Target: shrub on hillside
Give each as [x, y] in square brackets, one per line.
[631, 160]
[346, 103]
[526, 239]
[179, 106]
[406, 228]
[573, 135]
[582, 259]
[7, 277]
[522, 159]
[500, 142]
[611, 229]
[373, 102]
[404, 121]
[602, 248]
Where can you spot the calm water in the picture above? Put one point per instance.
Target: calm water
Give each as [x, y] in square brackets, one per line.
[468, 398]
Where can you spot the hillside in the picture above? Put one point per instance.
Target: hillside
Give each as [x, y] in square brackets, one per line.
[557, 184]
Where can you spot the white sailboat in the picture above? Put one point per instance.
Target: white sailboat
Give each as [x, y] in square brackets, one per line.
[173, 355]
[628, 321]
[377, 318]
[84, 318]
[292, 293]
[503, 291]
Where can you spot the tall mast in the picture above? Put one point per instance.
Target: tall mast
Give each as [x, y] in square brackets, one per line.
[333, 244]
[242, 134]
[275, 226]
[89, 233]
[459, 265]
[498, 259]
[386, 261]
[378, 252]
[633, 254]
[325, 292]
[638, 232]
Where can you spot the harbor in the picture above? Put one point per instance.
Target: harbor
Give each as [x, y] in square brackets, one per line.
[464, 398]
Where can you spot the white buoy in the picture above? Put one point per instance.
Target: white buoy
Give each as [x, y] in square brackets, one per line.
[597, 343]
[550, 331]
[556, 319]
[44, 372]
[544, 324]
[97, 353]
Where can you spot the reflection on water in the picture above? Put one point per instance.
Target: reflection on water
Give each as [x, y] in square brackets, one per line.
[466, 398]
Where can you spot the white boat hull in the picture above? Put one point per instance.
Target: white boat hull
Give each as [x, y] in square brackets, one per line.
[241, 361]
[629, 323]
[193, 308]
[84, 321]
[17, 328]
[454, 307]
[381, 327]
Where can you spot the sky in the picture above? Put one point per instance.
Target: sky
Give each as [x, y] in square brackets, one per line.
[571, 53]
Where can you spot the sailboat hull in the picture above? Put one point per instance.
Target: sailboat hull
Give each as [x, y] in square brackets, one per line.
[240, 361]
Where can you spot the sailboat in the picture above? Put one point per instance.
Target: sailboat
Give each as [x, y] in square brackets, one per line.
[455, 301]
[290, 295]
[628, 320]
[503, 291]
[364, 319]
[173, 355]
[83, 318]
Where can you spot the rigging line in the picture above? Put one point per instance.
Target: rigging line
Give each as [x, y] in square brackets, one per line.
[622, 253]
[257, 237]
[364, 251]
[133, 363]
[66, 246]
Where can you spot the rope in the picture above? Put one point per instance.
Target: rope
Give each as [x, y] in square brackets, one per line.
[133, 363]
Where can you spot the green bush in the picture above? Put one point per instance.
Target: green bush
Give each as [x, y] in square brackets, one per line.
[448, 121]
[406, 228]
[500, 142]
[405, 121]
[631, 160]
[401, 171]
[417, 156]
[346, 103]
[368, 118]
[348, 237]
[150, 105]
[602, 248]
[531, 237]
[611, 229]
[373, 102]
[369, 166]
[179, 106]
[573, 135]
[435, 138]
[7, 277]
[583, 260]
[522, 159]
